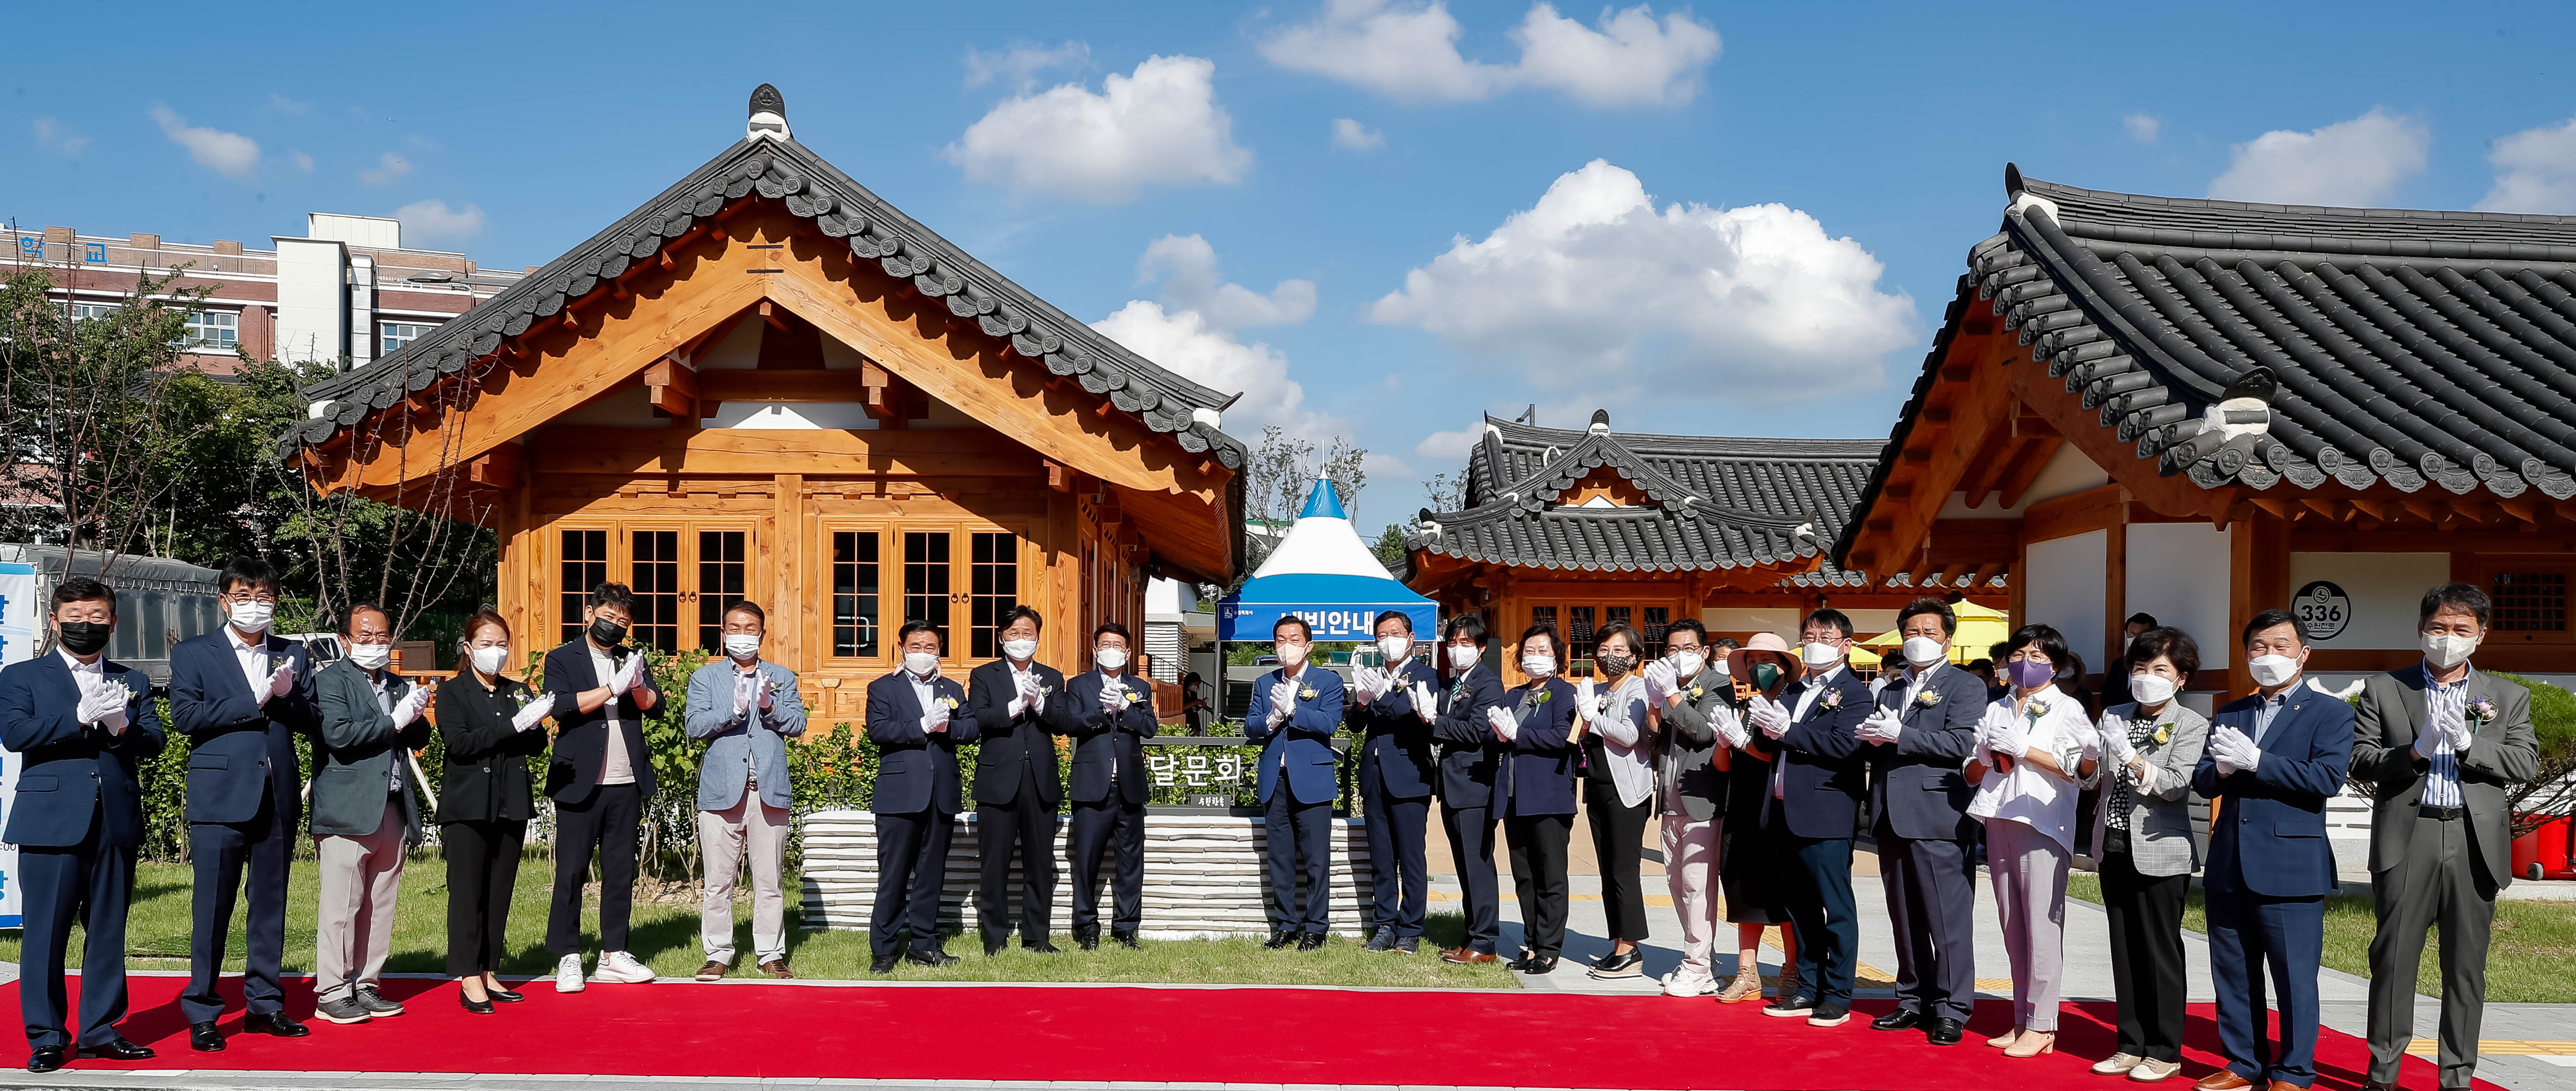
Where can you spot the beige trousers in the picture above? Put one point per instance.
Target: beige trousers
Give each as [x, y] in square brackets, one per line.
[361, 876]
[1690, 862]
[758, 830]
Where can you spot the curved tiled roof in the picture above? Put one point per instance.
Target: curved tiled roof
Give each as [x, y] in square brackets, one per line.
[782, 170]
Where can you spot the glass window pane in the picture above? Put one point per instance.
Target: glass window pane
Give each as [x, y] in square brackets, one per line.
[2529, 602]
[720, 583]
[994, 590]
[854, 593]
[925, 579]
[585, 565]
[657, 589]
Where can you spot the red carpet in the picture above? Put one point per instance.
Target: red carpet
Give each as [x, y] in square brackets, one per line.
[1504, 1038]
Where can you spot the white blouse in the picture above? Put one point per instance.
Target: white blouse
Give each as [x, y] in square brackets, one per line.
[1625, 741]
[2053, 722]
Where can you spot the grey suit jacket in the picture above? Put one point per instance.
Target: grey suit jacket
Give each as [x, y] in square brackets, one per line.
[357, 751]
[752, 744]
[2503, 751]
[2160, 822]
[1684, 779]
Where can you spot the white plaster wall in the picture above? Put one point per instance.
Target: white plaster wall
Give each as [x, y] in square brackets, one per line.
[1738, 622]
[2179, 573]
[2385, 589]
[2067, 472]
[2065, 590]
[784, 417]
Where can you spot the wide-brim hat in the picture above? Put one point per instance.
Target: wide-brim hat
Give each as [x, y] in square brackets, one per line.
[1790, 667]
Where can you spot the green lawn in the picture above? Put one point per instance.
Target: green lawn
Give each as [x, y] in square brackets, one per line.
[2527, 958]
[665, 936]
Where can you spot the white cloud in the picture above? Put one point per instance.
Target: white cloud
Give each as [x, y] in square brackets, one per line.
[389, 168]
[302, 161]
[1594, 289]
[1160, 125]
[1188, 344]
[229, 154]
[1350, 135]
[1186, 266]
[2143, 128]
[52, 135]
[1448, 446]
[431, 220]
[2535, 171]
[2355, 163]
[1409, 51]
[1019, 66]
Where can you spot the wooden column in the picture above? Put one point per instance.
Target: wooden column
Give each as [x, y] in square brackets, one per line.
[781, 550]
[1061, 597]
[2258, 579]
[522, 588]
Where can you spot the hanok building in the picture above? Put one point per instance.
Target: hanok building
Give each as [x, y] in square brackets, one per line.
[1581, 529]
[768, 383]
[2205, 409]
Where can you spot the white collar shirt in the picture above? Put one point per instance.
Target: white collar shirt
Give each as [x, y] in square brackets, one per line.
[253, 657]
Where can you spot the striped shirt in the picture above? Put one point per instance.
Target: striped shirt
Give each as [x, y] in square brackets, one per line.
[2443, 704]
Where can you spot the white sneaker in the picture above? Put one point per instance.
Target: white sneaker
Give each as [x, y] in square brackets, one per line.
[620, 967]
[1684, 983]
[568, 975]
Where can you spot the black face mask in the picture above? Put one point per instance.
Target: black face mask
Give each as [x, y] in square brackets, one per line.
[84, 637]
[1614, 664]
[608, 633]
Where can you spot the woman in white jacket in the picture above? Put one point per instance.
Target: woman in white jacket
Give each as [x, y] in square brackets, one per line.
[2032, 748]
[1618, 788]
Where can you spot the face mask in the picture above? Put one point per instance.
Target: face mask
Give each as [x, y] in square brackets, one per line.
[1687, 664]
[1395, 648]
[2151, 689]
[1463, 656]
[1020, 649]
[1291, 655]
[1923, 651]
[608, 633]
[1614, 664]
[2032, 674]
[2125, 641]
[491, 660]
[920, 663]
[1817, 653]
[1110, 659]
[83, 637]
[1538, 666]
[253, 617]
[1765, 676]
[371, 656]
[2272, 670]
[2443, 650]
[744, 646]
[1724, 668]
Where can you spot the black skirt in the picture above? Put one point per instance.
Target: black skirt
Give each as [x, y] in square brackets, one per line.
[1752, 866]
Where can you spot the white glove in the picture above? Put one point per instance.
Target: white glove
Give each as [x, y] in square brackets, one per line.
[1425, 704]
[1283, 702]
[1881, 728]
[768, 693]
[1660, 681]
[2010, 742]
[533, 713]
[2145, 777]
[279, 681]
[105, 705]
[935, 721]
[1729, 727]
[1114, 698]
[2231, 750]
[1769, 716]
[1366, 684]
[2456, 726]
[1506, 727]
[1587, 703]
[408, 709]
[742, 699]
[622, 677]
[2115, 742]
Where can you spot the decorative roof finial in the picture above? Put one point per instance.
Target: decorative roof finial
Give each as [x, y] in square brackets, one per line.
[768, 114]
[1600, 420]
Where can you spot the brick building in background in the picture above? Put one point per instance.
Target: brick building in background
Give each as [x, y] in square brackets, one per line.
[346, 291]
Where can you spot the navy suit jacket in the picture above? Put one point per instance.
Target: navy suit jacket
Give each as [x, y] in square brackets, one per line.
[1538, 777]
[1467, 745]
[1302, 747]
[1828, 780]
[1102, 741]
[1395, 751]
[76, 775]
[240, 748]
[1006, 739]
[1915, 787]
[2270, 834]
[916, 770]
[581, 738]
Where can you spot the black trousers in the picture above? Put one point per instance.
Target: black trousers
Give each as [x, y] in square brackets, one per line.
[1822, 910]
[2146, 952]
[1118, 827]
[912, 864]
[1932, 908]
[482, 871]
[227, 853]
[1293, 830]
[1399, 877]
[1029, 820]
[607, 823]
[1618, 842]
[1471, 849]
[92, 885]
[1538, 877]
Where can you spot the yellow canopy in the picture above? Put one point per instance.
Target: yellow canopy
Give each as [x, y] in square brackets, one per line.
[1980, 629]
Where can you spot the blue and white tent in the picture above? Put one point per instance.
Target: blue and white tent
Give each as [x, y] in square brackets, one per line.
[1321, 572]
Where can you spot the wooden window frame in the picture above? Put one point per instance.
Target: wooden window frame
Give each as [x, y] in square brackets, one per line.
[621, 564]
[892, 590]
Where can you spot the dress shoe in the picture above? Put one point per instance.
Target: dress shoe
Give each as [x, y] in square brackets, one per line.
[1408, 946]
[1618, 965]
[1087, 938]
[994, 942]
[1279, 939]
[1900, 1019]
[2152, 1070]
[2117, 1064]
[929, 956]
[2224, 1079]
[1126, 940]
[1460, 956]
[473, 1006]
[777, 968]
[1043, 947]
[1311, 941]
[500, 995]
[47, 1059]
[881, 964]
[2033, 1043]
[115, 1049]
[1536, 964]
[204, 1038]
[1945, 1032]
[1829, 1015]
[275, 1024]
[712, 971]
[1381, 940]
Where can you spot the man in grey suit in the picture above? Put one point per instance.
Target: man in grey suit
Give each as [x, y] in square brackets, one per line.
[1690, 700]
[2443, 742]
[748, 708]
[364, 811]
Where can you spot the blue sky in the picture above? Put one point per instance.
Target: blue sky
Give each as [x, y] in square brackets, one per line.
[1380, 218]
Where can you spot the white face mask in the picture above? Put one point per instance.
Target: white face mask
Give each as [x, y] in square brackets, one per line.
[1110, 659]
[1394, 648]
[743, 646]
[2445, 651]
[371, 656]
[1923, 651]
[2272, 670]
[1463, 656]
[2151, 689]
[1538, 666]
[491, 660]
[1725, 669]
[253, 617]
[1819, 654]
[1290, 655]
[920, 663]
[1687, 664]
[1020, 649]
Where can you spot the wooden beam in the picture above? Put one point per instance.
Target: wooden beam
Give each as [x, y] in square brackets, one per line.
[500, 468]
[2095, 508]
[672, 387]
[2026, 473]
[1059, 476]
[769, 313]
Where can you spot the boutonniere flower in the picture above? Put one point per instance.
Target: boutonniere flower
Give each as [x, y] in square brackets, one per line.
[2164, 734]
[1695, 693]
[1927, 698]
[1306, 694]
[2481, 710]
[1833, 699]
[951, 702]
[1541, 696]
[2036, 710]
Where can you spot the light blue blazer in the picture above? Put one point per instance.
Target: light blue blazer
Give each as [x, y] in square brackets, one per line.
[760, 736]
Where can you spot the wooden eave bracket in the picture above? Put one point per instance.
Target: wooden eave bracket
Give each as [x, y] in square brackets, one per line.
[671, 384]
